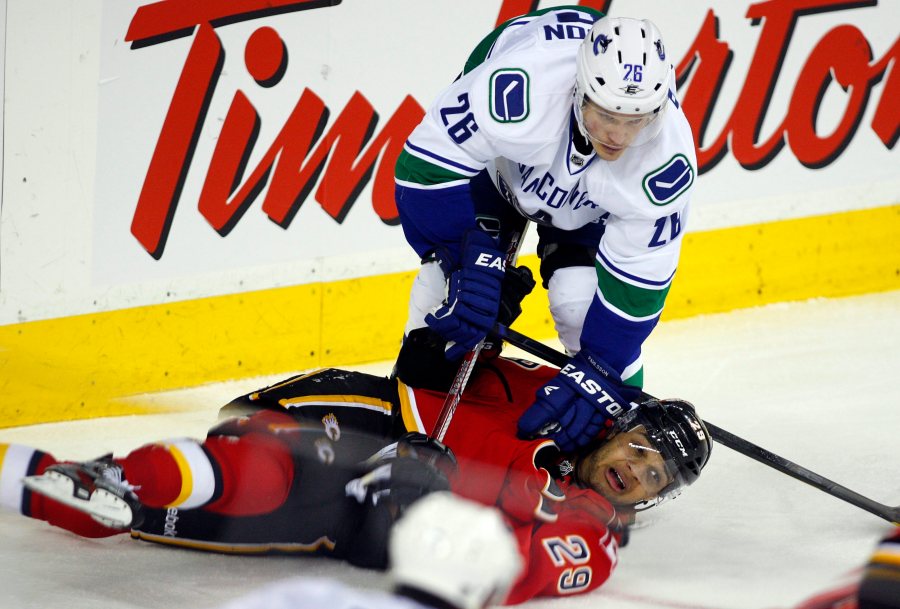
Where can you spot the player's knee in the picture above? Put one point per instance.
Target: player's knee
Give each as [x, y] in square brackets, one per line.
[257, 471]
[427, 292]
[571, 291]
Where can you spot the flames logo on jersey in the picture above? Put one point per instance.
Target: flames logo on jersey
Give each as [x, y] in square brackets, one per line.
[324, 451]
[332, 429]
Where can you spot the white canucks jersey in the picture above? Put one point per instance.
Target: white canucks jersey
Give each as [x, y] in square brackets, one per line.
[511, 115]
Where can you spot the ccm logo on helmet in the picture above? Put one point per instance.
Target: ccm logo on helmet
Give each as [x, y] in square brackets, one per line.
[671, 433]
[592, 387]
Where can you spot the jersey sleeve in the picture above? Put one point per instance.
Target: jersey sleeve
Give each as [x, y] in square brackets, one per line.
[445, 151]
[496, 108]
[573, 555]
[639, 252]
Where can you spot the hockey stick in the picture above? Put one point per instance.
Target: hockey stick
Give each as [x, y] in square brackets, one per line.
[454, 394]
[757, 453]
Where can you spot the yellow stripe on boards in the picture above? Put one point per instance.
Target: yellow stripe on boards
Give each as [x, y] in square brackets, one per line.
[187, 477]
[87, 365]
[821, 256]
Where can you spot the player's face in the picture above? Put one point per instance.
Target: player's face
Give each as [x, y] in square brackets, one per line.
[610, 132]
[626, 470]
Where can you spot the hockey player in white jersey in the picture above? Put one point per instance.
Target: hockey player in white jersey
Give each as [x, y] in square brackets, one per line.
[569, 119]
[446, 553]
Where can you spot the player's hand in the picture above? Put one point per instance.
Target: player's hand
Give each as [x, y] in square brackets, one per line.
[404, 471]
[517, 284]
[473, 295]
[578, 404]
[393, 479]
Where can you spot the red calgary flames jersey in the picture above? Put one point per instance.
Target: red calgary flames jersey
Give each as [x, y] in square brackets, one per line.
[566, 533]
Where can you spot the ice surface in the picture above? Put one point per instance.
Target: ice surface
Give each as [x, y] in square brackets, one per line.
[816, 382]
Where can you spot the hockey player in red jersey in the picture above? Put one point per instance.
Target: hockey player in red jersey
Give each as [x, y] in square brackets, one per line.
[327, 463]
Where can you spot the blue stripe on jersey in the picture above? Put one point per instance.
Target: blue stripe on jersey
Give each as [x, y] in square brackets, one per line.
[443, 160]
[614, 269]
[575, 17]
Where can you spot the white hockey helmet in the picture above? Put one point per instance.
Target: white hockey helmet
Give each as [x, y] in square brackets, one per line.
[456, 550]
[622, 68]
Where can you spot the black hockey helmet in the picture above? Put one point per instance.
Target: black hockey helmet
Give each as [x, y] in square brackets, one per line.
[675, 430]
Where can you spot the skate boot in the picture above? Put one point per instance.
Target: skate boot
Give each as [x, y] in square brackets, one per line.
[96, 488]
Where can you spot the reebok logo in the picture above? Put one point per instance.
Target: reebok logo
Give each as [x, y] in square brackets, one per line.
[169, 525]
[491, 262]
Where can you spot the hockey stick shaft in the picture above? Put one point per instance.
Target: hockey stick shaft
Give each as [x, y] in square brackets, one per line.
[726, 438]
[758, 453]
[468, 362]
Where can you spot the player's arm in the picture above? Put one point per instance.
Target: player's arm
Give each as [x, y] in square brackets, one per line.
[434, 197]
[635, 264]
[573, 555]
[445, 151]
[461, 132]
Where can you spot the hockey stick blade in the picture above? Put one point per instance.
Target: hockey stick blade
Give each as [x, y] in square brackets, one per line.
[726, 438]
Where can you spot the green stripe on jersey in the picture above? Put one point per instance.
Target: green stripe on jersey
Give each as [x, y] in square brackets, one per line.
[630, 299]
[636, 379]
[411, 168]
[484, 47]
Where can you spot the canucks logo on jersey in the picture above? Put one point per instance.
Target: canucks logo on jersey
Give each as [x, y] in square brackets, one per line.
[665, 184]
[509, 95]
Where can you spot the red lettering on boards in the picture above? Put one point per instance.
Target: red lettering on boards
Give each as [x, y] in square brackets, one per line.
[843, 51]
[345, 157]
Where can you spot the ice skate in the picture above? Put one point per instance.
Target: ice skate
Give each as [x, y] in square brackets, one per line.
[96, 488]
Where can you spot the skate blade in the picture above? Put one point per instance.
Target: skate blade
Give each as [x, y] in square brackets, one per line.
[110, 510]
[101, 505]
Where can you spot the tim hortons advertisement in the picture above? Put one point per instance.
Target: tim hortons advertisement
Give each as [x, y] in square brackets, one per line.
[257, 133]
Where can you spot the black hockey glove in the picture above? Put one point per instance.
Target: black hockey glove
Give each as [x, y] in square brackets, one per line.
[517, 284]
[402, 472]
[396, 477]
[428, 450]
